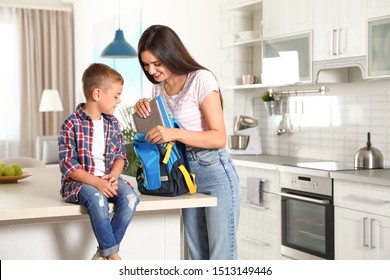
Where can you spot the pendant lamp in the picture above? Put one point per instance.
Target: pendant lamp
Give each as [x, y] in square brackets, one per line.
[119, 48]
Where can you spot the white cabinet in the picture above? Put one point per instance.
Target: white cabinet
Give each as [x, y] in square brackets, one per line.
[299, 43]
[283, 17]
[259, 231]
[340, 28]
[379, 48]
[362, 221]
[378, 8]
[361, 236]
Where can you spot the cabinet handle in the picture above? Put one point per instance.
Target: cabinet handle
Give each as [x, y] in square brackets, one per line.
[371, 233]
[334, 41]
[364, 232]
[262, 243]
[339, 40]
[366, 199]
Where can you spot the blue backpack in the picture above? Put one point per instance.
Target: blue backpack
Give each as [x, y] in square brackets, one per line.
[164, 168]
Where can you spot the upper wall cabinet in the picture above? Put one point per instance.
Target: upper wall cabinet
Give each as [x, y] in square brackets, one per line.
[379, 48]
[286, 17]
[299, 43]
[339, 28]
[378, 8]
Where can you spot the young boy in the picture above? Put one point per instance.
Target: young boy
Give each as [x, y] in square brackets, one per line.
[92, 157]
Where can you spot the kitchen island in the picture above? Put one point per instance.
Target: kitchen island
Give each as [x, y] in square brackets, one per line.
[35, 223]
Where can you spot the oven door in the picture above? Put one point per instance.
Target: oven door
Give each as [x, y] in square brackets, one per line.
[307, 225]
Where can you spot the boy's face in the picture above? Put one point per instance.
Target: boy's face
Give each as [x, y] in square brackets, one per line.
[110, 98]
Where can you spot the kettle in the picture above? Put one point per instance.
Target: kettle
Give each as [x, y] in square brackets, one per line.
[368, 157]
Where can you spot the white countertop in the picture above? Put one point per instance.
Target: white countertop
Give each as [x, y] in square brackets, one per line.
[38, 197]
[369, 176]
[281, 163]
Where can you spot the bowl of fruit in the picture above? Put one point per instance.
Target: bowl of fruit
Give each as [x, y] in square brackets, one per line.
[12, 173]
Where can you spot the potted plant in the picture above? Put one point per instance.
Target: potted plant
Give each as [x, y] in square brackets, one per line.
[128, 133]
[271, 103]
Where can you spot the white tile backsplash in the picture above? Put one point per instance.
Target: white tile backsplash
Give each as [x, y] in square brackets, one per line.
[330, 127]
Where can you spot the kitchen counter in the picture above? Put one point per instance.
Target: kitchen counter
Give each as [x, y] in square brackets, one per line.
[33, 210]
[371, 176]
[267, 161]
[281, 163]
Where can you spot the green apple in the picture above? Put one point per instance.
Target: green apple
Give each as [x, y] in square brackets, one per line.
[1, 171]
[8, 171]
[17, 168]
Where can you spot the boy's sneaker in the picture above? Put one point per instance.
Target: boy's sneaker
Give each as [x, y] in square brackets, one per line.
[98, 256]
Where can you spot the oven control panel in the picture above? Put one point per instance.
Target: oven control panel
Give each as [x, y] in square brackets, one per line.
[307, 183]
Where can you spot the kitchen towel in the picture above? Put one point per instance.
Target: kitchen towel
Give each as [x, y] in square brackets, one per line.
[255, 191]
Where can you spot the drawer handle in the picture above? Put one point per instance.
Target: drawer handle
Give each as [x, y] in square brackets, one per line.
[366, 199]
[256, 206]
[261, 243]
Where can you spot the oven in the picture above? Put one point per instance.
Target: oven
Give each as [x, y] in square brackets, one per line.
[307, 217]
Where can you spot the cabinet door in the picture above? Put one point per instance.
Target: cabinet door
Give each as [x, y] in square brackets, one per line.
[339, 28]
[379, 48]
[378, 8]
[351, 235]
[380, 243]
[283, 17]
[300, 43]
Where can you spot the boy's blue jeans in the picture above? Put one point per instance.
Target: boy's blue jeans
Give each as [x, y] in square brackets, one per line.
[109, 233]
[211, 231]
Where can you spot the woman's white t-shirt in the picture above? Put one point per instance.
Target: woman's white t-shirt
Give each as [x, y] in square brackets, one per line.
[185, 106]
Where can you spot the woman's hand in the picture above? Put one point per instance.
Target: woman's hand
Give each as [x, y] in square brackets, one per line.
[161, 134]
[142, 107]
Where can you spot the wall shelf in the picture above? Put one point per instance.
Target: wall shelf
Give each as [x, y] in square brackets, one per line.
[245, 6]
[252, 42]
[253, 86]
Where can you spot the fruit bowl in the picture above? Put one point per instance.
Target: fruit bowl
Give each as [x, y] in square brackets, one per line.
[14, 179]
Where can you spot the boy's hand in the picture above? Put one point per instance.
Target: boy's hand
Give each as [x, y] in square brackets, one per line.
[112, 179]
[108, 186]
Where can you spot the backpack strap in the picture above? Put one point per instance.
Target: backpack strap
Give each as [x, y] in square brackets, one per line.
[190, 179]
[168, 146]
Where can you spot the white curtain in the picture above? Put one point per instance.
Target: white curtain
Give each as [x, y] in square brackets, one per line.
[10, 124]
[36, 54]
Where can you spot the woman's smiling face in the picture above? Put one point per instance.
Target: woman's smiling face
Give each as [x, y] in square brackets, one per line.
[154, 67]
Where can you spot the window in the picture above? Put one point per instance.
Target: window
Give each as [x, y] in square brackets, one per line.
[10, 96]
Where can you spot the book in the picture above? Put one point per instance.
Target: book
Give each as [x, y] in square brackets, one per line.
[157, 116]
[166, 117]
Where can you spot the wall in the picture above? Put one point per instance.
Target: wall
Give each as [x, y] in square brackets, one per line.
[360, 107]
[197, 26]
[330, 127]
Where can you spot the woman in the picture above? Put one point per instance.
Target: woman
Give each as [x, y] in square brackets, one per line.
[191, 95]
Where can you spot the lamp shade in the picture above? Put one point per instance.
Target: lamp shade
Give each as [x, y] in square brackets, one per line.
[50, 101]
[119, 48]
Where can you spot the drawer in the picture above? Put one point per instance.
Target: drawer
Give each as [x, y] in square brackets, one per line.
[257, 216]
[363, 197]
[259, 244]
[271, 177]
